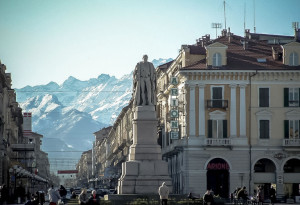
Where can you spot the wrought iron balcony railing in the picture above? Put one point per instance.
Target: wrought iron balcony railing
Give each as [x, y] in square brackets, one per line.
[217, 104]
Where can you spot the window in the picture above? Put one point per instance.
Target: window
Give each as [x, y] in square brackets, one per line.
[291, 129]
[294, 97]
[264, 129]
[217, 97]
[291, 97]
[217, 59]
[263, 97]
[293, 59]
[217, 128]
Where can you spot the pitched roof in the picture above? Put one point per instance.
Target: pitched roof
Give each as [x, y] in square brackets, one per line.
[239, 58]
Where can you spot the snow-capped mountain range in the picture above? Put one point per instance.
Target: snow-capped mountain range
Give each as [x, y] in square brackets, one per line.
[67, 115]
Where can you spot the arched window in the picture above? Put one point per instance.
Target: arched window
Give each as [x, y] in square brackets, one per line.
[264, 165]
[217, 59]
[294, 59]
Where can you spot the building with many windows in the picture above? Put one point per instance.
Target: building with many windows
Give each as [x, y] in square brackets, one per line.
[22, 162]
[229, 115]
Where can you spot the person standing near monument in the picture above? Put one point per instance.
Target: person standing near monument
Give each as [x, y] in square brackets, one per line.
[144, 83]
[163, 193]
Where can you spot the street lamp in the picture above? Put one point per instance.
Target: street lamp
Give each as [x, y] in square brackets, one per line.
[15, 170]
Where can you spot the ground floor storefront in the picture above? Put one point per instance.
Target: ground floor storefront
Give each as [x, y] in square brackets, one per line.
[223, 170]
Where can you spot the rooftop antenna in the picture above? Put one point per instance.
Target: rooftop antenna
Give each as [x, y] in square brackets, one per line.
[216, 26]
[254, 15]
[244, 16]
[295, 25]
[224, 13]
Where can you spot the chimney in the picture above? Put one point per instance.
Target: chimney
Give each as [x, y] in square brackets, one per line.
[297, 34]
[224, 32]
[247, 33]
[274, 54]
[245, 44]
[229, 35]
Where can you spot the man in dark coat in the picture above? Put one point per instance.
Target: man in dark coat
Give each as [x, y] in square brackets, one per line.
[4, 194]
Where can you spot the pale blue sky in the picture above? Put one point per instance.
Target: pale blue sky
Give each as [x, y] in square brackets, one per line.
[43, 41]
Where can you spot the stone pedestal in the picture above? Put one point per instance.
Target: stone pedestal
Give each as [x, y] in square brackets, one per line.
[145, 171]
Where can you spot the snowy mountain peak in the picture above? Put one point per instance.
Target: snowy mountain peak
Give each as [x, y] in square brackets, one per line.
[73, 111]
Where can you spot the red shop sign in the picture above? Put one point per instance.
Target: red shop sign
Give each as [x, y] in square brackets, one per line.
[217, 166]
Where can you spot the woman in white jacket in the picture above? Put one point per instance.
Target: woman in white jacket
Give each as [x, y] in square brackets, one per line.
[163, 193]
[53, 196]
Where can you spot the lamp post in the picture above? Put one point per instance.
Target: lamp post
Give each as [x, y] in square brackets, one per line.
[13, 171]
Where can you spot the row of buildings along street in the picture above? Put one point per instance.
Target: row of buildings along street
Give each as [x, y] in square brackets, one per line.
[24, 167]
[228, 116]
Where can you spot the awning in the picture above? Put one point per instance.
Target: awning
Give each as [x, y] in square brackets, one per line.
[23, 173]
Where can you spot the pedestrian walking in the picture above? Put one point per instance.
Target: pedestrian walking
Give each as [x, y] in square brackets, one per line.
[208, 197]
[272, 195]
[242, 194]
[83, 197]
[63, 193]
[163, 192]
[4, 194]
[93, 200]
[260, 194]
[53, 196]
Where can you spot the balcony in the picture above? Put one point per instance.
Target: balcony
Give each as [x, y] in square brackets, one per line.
[217, 104]
[291, 142]
[22, 147]
[293, 103]
[217, 142]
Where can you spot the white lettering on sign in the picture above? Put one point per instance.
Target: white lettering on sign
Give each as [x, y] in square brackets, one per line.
[174, 124]
[174, 91]
[174, 80]
[174, 113]
[173, 102]
[174, 135]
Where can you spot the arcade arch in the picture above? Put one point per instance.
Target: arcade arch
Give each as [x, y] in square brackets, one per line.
[217, 176]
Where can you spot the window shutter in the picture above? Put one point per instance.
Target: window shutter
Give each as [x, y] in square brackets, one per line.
[291, 59]
[286, 97]
[267, 97]
[264, 97]
[286, 129]
[264, 129]
[209, 129]
[219, 63]
[296, 59]
[267, 129]
[224, 128]
[299, 98]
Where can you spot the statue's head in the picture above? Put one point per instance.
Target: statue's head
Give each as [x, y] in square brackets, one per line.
[145, 58]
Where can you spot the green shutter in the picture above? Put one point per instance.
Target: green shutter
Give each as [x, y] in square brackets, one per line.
[299, 98]
[209, 130]
[286, 97]
[286, 129]
[224, 128]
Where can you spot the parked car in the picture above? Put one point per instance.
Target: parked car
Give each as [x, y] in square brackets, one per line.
[69, 194]
[101, 192]
[77, 190]
[112, 191]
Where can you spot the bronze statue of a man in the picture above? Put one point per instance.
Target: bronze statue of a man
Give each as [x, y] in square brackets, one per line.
[144, 83]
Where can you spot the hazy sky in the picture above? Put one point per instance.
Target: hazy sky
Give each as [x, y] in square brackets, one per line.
[50, 40]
